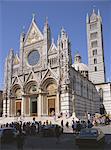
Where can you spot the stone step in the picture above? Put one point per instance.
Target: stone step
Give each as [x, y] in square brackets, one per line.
[4, 120]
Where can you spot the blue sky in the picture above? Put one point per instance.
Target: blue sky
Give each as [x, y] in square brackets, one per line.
[69, 14]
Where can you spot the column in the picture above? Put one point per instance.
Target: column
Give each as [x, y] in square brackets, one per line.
[57, 104]
[39, 103]
[22, 106]
[73, 102]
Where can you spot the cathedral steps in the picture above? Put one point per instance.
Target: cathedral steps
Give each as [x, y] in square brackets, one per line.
[53, 120]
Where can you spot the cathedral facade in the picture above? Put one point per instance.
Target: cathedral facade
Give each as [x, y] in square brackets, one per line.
[41, 80]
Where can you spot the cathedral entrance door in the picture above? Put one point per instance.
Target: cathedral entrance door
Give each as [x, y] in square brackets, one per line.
[51, 106]
[18, 108]
[33, 102]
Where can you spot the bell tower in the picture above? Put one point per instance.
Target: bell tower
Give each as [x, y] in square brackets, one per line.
[95, 48]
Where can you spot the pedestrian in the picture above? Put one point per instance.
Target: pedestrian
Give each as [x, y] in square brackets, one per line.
[90, 125]
[67, 124]
[62, 124]
[74, 127]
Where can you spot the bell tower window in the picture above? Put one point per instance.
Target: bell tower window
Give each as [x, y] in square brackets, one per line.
[95, 68]
[95, 61]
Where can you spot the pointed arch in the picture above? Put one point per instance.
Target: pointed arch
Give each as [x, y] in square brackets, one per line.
[48, 81]
[30, 87]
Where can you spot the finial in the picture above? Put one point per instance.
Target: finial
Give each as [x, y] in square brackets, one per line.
[52, 40]
[33, 16]
[46, 19]
[62, 30]
[77, 52]
[94, 6]
[87, 18]
[98, 12]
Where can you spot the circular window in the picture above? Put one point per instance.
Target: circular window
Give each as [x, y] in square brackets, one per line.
[33, 57]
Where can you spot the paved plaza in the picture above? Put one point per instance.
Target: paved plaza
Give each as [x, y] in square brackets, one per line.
[66, 142]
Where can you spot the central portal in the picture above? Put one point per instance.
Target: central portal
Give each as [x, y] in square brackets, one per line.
[33, 106]
[51, 107]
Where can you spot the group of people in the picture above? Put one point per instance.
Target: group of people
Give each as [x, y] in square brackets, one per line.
[102, 120]
[77, 125]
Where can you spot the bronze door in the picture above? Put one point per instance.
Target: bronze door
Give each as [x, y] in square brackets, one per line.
[51, 106]
[18, 108]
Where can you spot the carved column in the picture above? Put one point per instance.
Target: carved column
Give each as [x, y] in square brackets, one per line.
[39, 103]
[23, 106]
[57, 103]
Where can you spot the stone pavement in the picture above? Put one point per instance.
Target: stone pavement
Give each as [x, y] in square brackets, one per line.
[66, 142]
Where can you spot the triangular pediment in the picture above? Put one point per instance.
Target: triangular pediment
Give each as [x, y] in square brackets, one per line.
[16, 80]
[33, 35]
[49, 73]
[31, 76]
[52, 49]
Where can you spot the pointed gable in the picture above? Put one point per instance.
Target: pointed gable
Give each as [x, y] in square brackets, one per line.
[52, 49]
[93, 16]
[50, 73]
[34, 34]
[16, 60]
[16, 80]
[31, 76]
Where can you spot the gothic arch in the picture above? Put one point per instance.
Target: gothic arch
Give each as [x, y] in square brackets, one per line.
[14, 88]
[31, 84]
[47, 82]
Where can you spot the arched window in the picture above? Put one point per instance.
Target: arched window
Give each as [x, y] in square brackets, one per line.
[101, 94]
[95, 61]
[81, 88]
[95, 68]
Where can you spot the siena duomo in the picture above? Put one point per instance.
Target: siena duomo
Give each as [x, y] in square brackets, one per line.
[42, 81]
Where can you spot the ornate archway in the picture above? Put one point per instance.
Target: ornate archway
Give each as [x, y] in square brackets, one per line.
[49, 87]
[16, 100]
[31, 98]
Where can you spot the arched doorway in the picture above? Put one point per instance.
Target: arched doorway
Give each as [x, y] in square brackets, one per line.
[49, 88]
[51, 98]
[16, 100]
[31, 98]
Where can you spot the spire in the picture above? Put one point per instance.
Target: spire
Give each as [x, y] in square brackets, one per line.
[87, 18]
[23, 29]
[23, 32]
[62, 30]
[93, 10]
[52, 40]
[63, 33]
[33, 16]
[11, 53]
[46, 20]
[46, 25]
[98, 12]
